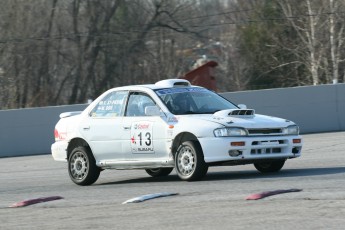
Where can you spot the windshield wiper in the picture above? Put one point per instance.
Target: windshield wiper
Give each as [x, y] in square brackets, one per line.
[192, 112]
[202, 112]
[211, 112]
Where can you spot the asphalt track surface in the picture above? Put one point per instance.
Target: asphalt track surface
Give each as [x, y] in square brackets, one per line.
[217, 202]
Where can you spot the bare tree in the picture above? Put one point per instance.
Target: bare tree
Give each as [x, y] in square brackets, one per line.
[336, 38]
[76, 49]
[308, 21]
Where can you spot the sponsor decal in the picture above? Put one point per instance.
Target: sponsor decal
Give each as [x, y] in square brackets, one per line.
[170, 132]
[145, 149]
[109, 105]
[173, 119]
[60, 135]
[142, 126]
[179, 90]
[113, 102]
[141, 137]
[133, 140]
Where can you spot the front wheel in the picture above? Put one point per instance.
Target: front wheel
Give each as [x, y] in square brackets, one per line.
[270, 166]
[82, 166]
[159, 172]
[189, 161]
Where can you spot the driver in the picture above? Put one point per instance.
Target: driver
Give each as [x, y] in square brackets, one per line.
[182, 104]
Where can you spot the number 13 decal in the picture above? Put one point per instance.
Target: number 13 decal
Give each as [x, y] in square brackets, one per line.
[148, 138]
[141, 137]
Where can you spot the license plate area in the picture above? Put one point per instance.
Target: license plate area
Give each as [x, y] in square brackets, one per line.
[268, 147]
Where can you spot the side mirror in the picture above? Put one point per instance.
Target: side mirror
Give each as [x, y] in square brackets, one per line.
[152, 111]
[242, 106]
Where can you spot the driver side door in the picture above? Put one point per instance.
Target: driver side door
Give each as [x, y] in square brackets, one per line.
[144, 136]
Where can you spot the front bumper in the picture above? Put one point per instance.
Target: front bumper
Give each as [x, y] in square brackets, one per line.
[218, 149]
[59, 151]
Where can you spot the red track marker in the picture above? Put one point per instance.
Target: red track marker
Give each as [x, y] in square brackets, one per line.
[258, 196]
[35, 201]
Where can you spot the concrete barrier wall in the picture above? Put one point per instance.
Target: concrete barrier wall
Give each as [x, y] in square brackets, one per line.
[313, 108]
[30, 131]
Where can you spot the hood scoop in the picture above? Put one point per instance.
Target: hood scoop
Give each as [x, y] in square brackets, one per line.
[244, 113]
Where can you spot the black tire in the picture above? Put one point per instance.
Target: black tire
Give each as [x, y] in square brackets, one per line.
[270, 166]
[189, 161]
[158, 172]
[82, 167]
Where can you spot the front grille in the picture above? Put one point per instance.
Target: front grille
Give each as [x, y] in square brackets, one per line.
[276, 131]
[268, 147]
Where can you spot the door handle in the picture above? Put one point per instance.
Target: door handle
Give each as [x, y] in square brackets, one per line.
[126, 127]
[86, 127]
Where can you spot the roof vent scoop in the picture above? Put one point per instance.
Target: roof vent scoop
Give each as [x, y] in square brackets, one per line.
[173, 83]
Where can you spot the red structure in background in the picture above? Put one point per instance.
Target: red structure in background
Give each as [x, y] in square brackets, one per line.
[203, 76]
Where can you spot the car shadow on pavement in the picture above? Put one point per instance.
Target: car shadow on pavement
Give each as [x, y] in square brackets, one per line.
[147, 179]
[251, 174]
[237, 175]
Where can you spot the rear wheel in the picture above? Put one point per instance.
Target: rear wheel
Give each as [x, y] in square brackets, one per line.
[189, 161]
[82, 166]
[157, 172]
[270, 166]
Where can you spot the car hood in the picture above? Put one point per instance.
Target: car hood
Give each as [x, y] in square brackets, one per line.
[244, 118]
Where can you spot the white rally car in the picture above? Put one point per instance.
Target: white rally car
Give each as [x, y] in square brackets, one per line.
[170, 124]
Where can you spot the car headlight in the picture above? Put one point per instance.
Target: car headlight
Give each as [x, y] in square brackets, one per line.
[291, 130]
[230, 132]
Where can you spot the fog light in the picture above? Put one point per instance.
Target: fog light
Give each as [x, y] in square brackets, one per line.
[295, 150]
[235, 153]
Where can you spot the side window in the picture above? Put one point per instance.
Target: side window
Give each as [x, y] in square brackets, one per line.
[111, 105]
[137, 103]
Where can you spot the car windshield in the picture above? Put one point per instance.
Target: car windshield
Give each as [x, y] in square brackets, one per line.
[193, 100]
